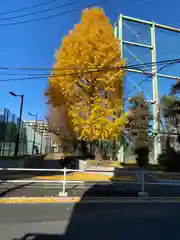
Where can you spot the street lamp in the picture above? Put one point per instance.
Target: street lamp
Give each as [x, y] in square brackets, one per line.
[19, 123]
[34, 138]
[13, 94]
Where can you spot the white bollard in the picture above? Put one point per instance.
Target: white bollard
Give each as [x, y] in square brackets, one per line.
[64, 193]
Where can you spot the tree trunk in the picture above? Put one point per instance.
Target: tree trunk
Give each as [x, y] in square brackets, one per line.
[99, 153]
[84, 149]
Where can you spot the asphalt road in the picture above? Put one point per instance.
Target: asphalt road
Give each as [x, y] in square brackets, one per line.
[90, 221]
[88, 189]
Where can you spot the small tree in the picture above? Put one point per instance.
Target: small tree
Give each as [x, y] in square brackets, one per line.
[91, 82]
[139, 127]
[170, 109]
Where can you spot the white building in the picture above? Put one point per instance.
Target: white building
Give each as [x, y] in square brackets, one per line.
[39, 126]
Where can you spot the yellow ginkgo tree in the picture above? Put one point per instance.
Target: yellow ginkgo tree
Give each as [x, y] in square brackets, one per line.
[87, 78]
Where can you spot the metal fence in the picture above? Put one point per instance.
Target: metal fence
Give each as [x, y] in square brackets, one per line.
[29, 138]
[144, 183]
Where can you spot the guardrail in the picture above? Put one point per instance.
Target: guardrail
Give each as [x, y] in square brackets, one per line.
[140, 177]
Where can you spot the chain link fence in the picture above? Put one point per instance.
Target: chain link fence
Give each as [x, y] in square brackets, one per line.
[30, 142]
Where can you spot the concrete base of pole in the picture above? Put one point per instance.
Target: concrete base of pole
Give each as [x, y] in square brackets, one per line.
[63, 194]
[143, 194]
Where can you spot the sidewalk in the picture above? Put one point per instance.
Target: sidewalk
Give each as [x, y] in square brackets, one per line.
[77, 176]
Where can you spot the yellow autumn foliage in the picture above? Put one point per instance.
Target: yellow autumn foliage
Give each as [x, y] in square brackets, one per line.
[87, 77]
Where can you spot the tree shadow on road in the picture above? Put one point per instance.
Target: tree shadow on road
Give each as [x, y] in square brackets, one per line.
[39, 236]
[116, 220]
[88, 220]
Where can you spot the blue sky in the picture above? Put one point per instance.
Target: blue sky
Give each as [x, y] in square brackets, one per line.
[33, 44]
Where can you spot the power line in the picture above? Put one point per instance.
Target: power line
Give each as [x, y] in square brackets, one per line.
[23, 74]
[135, 66]
[22, 79]
[41, 11]
[50, 16]
[27, 8]
[176, 60]
[39, 19]
[45, 76]
[146, 79]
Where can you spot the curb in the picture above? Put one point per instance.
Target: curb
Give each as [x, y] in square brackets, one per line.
[40, 200]
[16, 200]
